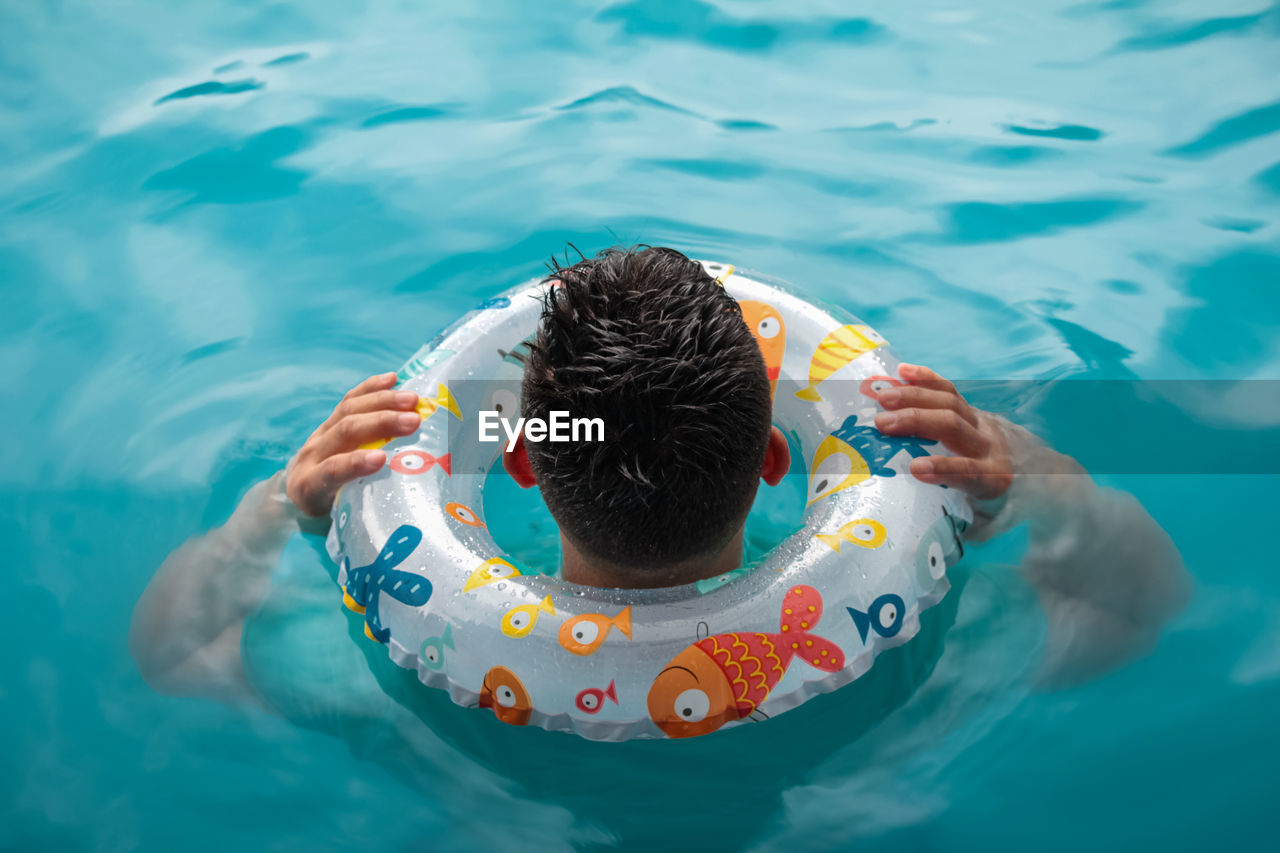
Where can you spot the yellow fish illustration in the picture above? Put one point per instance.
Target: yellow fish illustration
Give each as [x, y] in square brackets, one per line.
[834, 352]
[863, 532]
[493, 569]
[721, 272]
[520, 621]
[836, 467]
[427, 406]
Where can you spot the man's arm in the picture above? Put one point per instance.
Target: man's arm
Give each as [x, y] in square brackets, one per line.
[1107, 575]
[186, 626]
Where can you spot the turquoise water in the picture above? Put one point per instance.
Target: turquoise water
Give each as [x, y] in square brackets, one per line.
[215, 217]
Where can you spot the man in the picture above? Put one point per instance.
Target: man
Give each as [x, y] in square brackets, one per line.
[647, 341]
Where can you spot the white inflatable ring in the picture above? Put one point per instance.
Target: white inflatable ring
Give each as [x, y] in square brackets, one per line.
[417, 561]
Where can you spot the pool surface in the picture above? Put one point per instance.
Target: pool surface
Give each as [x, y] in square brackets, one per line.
[216, 217]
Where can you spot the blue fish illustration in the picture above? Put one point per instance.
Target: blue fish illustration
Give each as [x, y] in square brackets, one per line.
[517, 354]
[424, 358]
[432, 649]
[494, 302]
[940, 548]
[884, 616]
[876, 448]
[365, 585]
[708, 584]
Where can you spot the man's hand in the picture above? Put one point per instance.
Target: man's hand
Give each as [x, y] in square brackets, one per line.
[371, 411]
[930, 407]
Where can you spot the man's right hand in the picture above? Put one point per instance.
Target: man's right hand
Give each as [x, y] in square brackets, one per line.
[332, 457]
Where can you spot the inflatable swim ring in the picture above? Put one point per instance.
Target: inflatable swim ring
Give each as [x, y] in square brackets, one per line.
[416, 560]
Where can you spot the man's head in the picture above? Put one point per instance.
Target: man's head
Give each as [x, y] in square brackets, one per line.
[652, 345]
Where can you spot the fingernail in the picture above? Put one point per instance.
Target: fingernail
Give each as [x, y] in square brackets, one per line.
[886, 420]
[409, 420]
[373, 457]
[890, 395]
[406, 398]
[922, 466]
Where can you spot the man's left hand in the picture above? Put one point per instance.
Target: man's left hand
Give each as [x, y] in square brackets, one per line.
[929, 406]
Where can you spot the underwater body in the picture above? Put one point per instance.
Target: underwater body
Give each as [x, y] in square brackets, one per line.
[217, 217]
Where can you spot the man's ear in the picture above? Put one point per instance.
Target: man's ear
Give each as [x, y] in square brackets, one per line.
[777, 458]
[516, 462]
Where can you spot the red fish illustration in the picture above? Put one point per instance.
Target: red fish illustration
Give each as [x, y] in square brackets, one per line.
[873, 385]
[592, 699]
[726, 677]
[419, 462]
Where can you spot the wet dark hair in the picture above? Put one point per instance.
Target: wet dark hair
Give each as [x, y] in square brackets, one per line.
[648, 342]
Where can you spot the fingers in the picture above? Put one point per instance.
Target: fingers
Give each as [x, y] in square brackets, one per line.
[964, 473]
[381, 383]
[315, 490]
[331, 457]
[921, 397]
[378, 382]
[918, 374]
[376, 401]
[929, 406]
[354, 430]
[943, 425]
[337, 471]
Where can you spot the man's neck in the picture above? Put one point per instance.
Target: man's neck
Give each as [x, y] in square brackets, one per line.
[581, 569]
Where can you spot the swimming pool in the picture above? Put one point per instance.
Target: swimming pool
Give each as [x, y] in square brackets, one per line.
[215, 217]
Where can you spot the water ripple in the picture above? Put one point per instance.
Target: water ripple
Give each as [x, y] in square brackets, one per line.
[714, 169]
[1231, 132]
[237, 174]
[623, 95]
[1169, 37]
[694, 20]
[287, 59]
[405, 114]
[1269, 179]
[211, 87]
[1228, 324]
[1011, 156]
[1074, 132]
[745, 124]
[981, 222]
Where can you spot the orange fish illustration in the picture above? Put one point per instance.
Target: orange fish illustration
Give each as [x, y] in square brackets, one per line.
[463, 513]
[770, 332]
[505, 694]
[725, 677]
[419, 462]
[835, 351]
[592, 699]
[427, 406]
[584, 634]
